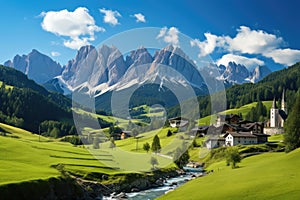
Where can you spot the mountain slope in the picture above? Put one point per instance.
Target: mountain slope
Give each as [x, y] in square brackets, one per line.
[269, 87]
[18, 79]
[257, 172]
[27, 104]
[36, 66]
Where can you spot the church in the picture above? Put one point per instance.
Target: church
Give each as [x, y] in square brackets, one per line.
[278, 116]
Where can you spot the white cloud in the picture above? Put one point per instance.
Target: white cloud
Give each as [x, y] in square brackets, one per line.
[110, 16]
[169, 35]
[252, 41]
[162, 32]
[247, 41]
[55, 54]
[140, 17]
[208, 46]
[76, 43]
[284, 56]
[78, 25]
[250, 63]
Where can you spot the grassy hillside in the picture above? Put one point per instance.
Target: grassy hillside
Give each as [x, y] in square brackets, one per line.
[243, 109]
[23, 158]
[267, 176]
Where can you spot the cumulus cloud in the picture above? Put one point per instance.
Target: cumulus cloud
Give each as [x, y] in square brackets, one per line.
[110, 16]
[208, 46]
[79, 26]
[55, 54]
[169, 35]
[284, 56]
[250, 63]
[140, 17]
[253, 41]
[247, 41]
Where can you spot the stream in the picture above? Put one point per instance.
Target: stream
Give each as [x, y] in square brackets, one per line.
[154, 193]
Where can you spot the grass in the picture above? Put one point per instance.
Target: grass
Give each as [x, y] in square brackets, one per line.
[112, 119]
[150, 111]
[6, 86]
[243, 110]
[266, 176]
[24, 157]
[169, 144]
[276, 138]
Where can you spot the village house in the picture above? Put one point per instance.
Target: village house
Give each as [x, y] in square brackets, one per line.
[179, 122]
[214, 143]
[234, 131]
[244, 138]
[234, 138]
[200, 131]
[229, 119]
[125, 134]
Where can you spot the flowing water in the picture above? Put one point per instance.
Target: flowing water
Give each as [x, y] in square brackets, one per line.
[153, 193]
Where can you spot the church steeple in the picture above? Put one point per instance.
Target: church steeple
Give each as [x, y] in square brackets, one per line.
[283, 104]
[274, 106]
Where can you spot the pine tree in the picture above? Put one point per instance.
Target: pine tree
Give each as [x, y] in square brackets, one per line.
[155, 147]
[169, 133]
[292, 126]
[146, 147]
[181, 158]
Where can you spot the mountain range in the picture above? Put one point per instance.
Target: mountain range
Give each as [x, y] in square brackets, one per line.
[98, 71]
[36, 66]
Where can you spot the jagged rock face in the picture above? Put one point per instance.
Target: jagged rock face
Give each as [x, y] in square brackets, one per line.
[36, 66]
[78, 70]
[95, 67]
[259, 73]
[181, 66]
[235, 73]
[139, 57]
[103, 69]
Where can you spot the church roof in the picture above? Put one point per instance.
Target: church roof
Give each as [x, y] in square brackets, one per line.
[282, 114]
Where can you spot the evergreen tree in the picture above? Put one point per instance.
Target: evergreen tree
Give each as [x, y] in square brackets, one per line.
[55, 132]
[257, 113]
[292, 126]
[155, 147]
[169, 133]
[146, 147]
[181, 159]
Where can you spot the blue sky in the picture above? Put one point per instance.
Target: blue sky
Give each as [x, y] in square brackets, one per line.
[252, 32]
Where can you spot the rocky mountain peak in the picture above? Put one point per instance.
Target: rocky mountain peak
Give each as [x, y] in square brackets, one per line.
[139, 57]
[36, 65]
[259, 73]
[236, 73]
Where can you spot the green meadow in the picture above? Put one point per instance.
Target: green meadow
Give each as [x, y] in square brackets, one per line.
[266, 176]
[25, 156]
